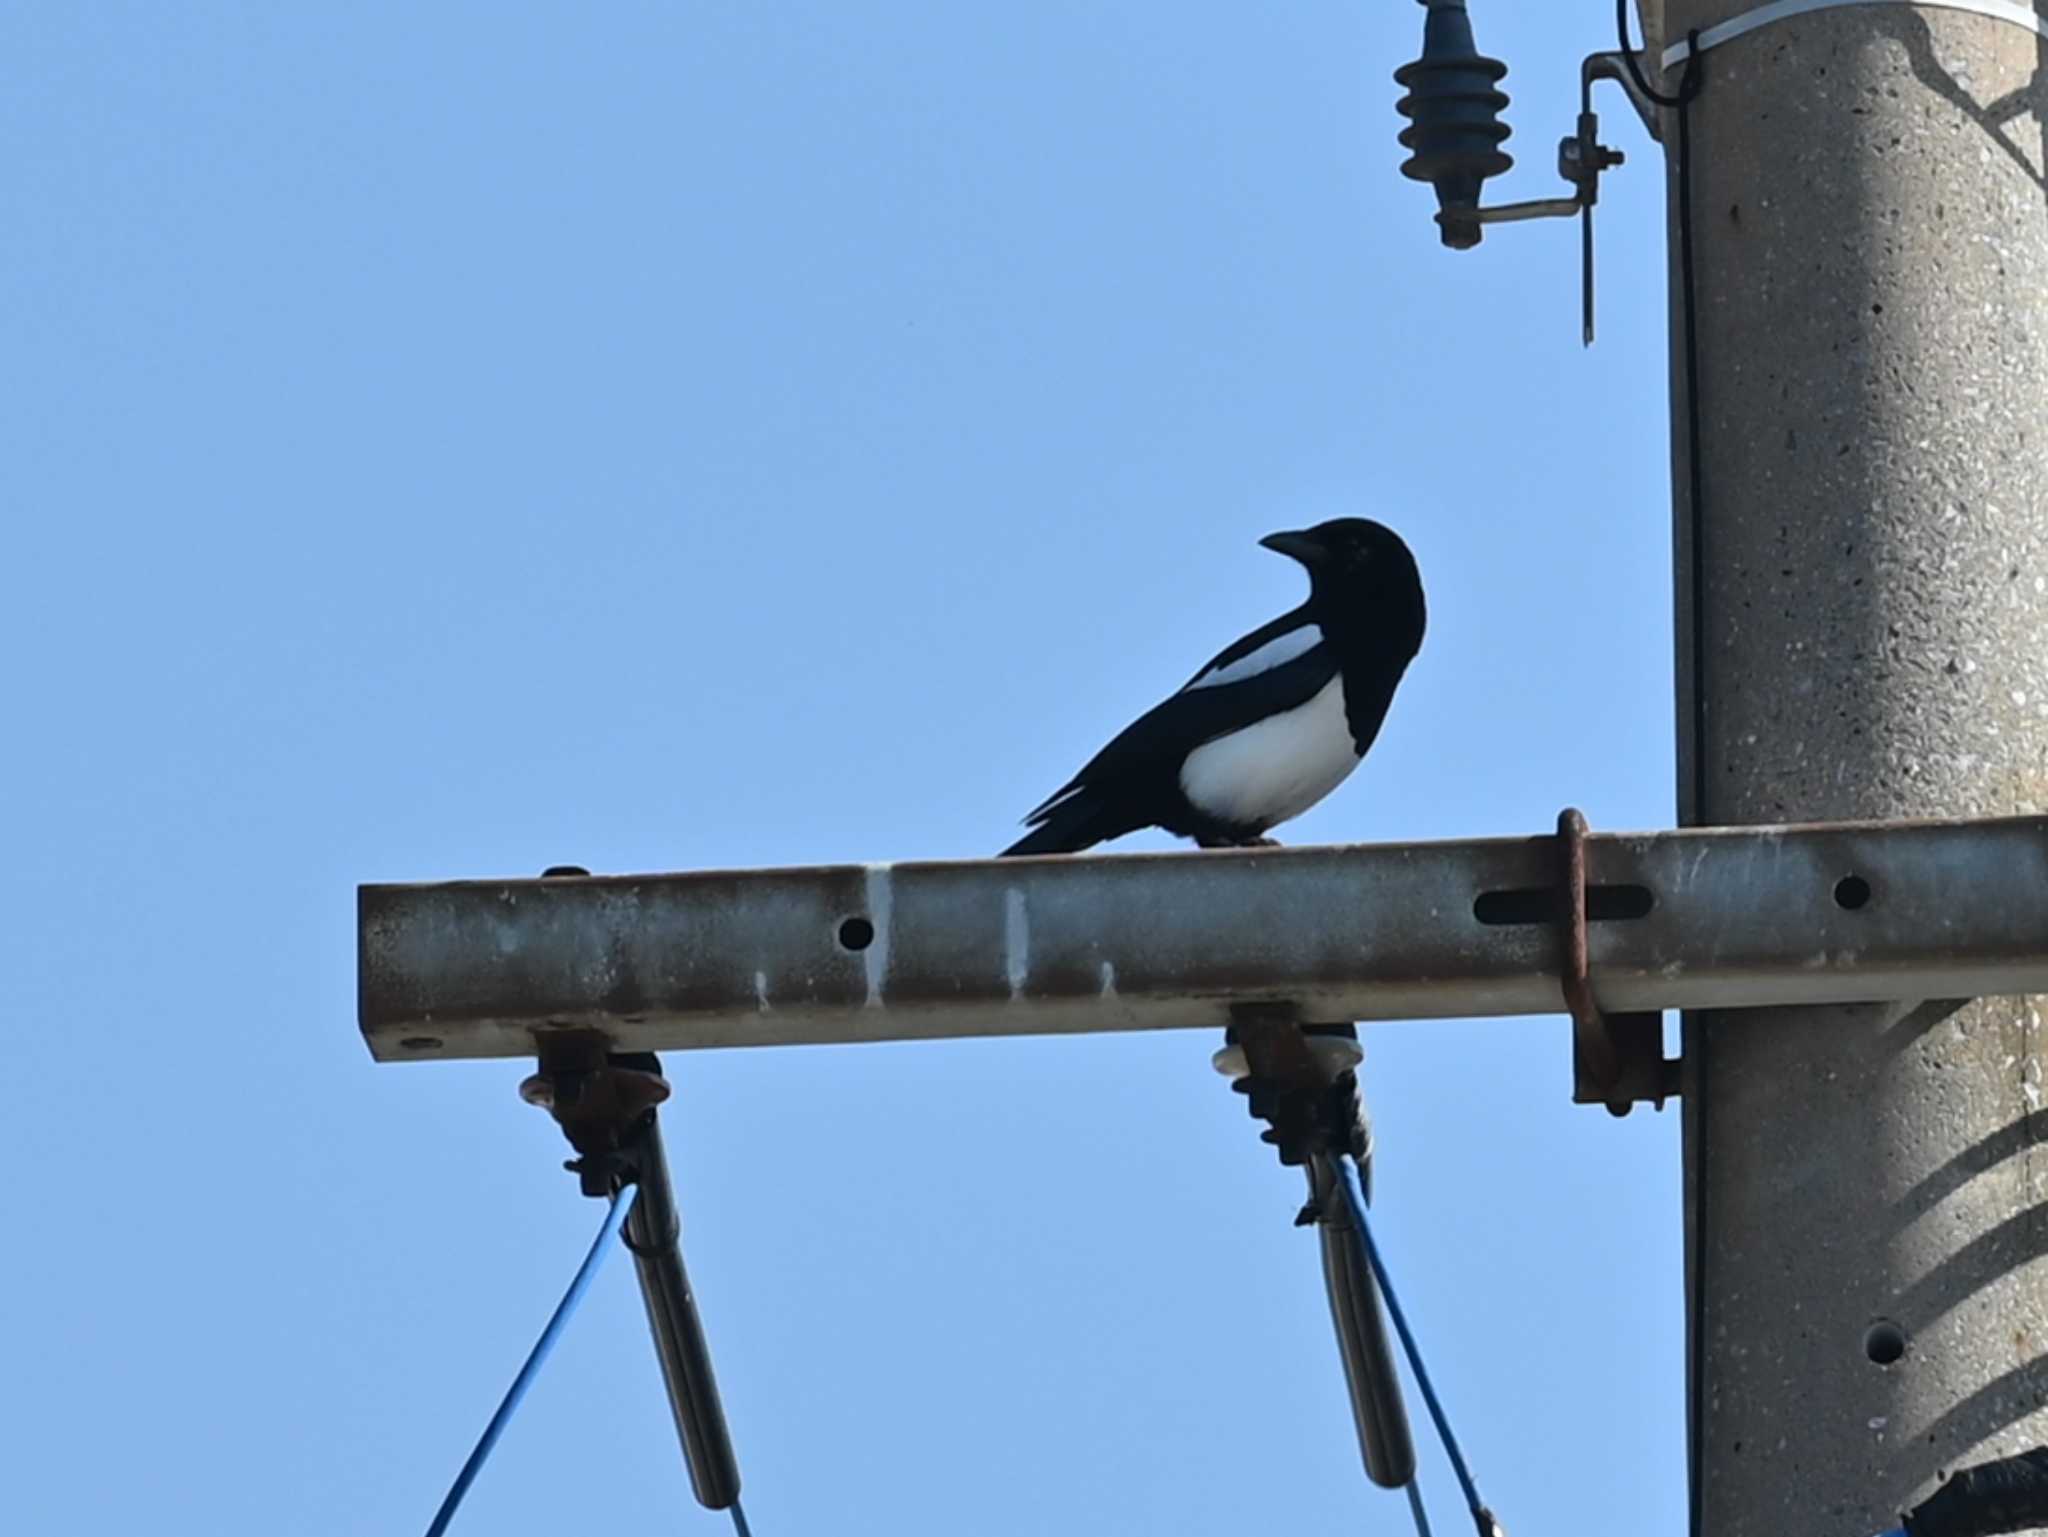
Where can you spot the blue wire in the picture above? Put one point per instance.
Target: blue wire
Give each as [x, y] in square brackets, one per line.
[1436, 1409]
[621, 1204]
[1415, 1506]
[739, 1521]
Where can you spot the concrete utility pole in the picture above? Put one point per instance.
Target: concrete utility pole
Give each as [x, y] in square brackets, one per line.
[1871, 247]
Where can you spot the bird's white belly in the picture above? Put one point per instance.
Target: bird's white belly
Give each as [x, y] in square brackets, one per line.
[1264, 774]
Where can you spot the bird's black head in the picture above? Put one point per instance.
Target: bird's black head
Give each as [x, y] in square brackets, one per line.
[1362, 575]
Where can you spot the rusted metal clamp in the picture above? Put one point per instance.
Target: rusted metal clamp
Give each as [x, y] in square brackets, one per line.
[1617, 1059]
[598, 1100]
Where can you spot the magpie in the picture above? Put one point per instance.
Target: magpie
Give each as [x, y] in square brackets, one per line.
[1273, 723]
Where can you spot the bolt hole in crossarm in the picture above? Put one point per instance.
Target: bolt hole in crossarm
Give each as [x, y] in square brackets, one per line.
[1531, 905]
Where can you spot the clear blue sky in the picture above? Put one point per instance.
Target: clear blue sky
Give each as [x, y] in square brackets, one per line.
[448, 440]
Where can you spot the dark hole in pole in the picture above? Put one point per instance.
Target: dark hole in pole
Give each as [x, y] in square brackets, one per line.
[1884, 1342]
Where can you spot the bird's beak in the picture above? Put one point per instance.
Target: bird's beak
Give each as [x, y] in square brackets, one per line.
[1304, 547]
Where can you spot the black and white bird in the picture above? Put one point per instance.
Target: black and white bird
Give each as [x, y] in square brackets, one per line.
[1273, 723]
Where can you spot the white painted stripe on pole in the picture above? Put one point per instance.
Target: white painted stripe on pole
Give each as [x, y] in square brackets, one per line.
[1785, 10]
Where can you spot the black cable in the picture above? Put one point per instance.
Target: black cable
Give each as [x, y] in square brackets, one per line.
[1688, 88]
[1688, 83]
[1696, 1046]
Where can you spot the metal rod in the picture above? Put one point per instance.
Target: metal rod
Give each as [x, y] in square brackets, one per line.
[1370, 1375]
[654, 1233]
[1534, 208]
[1723, 918]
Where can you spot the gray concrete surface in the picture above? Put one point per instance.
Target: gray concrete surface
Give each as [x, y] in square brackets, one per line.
[1872, 241]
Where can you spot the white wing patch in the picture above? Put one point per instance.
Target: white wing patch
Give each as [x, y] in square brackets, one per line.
[1274, 653]
[1277, 768]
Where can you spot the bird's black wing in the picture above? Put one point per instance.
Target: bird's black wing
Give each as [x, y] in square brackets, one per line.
[1135, 779]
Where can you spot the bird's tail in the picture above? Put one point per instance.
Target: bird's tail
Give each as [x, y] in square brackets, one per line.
[1074, 824]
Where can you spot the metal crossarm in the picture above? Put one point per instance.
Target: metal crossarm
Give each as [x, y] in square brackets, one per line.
[1706, 918]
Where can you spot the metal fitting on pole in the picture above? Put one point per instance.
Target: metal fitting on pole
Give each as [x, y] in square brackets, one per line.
[605, 1105]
